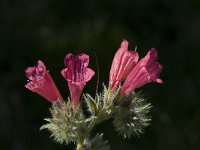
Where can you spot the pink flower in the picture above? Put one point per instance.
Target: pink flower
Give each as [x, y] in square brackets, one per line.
[122, 64]
[41, 82]
[146, 70]
[77, 74]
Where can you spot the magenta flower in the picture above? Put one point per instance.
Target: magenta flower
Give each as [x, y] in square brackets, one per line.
[41, 82]
[146, 70]
[77, 74]
[122, 64]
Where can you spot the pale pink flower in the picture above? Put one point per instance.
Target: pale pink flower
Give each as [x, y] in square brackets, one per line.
[146, 70]
[41, 82]
[77, 74]
[122, 64]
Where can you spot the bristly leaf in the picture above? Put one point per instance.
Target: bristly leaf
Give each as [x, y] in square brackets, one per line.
[96, 143]
[131, 116]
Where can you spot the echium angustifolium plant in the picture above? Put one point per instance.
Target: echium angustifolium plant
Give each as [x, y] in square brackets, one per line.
[119, 101]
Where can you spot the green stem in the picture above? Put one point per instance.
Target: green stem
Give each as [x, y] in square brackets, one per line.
[79, 146]
[90, 127]
[86, 135]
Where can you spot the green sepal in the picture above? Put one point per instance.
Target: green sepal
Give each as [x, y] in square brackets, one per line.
[67, 123]
[131, 115]
[91, 104]
[100, 108]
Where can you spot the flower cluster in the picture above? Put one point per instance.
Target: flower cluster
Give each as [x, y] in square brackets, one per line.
[125, 66]
[69, 123]
[76, 73]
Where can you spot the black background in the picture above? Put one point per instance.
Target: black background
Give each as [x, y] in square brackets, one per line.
[49, 29]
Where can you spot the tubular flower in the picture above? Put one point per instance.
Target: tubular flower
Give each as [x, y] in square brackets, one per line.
[146, 70]
[77, 74]
[41, 82]
[122, 64]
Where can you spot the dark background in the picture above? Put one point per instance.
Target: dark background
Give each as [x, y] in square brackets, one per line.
[49, 29]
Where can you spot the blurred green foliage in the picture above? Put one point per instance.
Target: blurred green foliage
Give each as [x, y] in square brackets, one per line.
[49, 29]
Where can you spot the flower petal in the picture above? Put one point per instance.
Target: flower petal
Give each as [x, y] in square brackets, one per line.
[122, 64]
[146, 70]
[88, 74]
[41, 82]
[77, 74]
